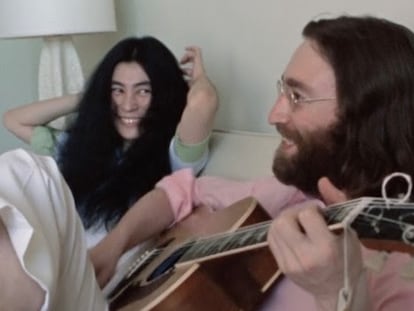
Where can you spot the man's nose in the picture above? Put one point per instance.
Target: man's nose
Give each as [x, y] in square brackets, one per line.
[281, 111]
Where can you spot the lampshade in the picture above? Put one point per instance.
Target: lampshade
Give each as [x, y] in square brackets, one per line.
[29, 18]
[60, 71]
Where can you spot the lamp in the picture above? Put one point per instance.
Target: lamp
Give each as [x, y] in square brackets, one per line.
[60, 70]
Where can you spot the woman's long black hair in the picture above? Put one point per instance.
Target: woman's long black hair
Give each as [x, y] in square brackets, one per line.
[105, 180]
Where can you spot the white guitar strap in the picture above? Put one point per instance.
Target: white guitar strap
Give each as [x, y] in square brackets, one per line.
[345, 294]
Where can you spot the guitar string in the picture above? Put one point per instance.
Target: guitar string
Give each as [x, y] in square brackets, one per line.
[339, 208]
[264, 225]
[335, 210]
[332, 211]
[386, 220]
[212, 238]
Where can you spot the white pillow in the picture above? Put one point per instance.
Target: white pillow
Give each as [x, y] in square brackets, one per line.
[241, 155]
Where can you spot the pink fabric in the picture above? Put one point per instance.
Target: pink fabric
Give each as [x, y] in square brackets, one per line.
[185, 191]
[387, 289]
[390, 291]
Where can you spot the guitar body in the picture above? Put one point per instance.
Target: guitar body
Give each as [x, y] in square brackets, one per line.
[237, 280]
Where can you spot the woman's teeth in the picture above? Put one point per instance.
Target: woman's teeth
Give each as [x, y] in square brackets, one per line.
[129, 120]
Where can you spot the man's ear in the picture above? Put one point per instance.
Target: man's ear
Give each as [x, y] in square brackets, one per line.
[330, 194]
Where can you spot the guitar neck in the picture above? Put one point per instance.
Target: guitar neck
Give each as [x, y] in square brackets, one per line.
[389, 222]
[245, 238]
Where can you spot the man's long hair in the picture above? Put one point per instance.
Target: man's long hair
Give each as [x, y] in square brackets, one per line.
[104, 179]
[373, 61]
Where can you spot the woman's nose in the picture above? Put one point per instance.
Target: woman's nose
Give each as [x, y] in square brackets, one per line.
[130, 102]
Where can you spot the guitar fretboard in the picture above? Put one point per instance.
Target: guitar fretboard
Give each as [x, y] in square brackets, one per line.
[222, 243]
[378, 219]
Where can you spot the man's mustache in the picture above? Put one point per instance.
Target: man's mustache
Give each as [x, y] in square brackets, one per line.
[290, 134]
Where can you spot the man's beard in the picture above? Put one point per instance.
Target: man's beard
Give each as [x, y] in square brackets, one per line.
[315, 157]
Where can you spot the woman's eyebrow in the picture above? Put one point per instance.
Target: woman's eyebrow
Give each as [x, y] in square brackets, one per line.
[142, 83]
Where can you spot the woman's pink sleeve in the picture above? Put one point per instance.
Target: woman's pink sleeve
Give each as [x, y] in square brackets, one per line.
[179, 189]
[184, 192]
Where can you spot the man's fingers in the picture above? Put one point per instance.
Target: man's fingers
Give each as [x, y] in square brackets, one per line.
[330, 194]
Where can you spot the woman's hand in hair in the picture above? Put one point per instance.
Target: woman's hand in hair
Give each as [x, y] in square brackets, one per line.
[22, 120]
[202, 100]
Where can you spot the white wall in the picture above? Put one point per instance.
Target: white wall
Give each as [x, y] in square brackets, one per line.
[246, 45]
[19, 68]
[17, 80]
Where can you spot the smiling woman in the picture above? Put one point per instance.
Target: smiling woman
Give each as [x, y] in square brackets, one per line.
[137, 120]
[131, 97]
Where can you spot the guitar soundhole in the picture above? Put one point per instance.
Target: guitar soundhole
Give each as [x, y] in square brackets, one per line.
[168, 264]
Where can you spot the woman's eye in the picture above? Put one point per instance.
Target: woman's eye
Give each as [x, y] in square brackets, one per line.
[143, 92]
[116, 91]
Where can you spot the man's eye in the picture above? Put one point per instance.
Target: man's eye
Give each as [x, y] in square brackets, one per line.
[296, 97]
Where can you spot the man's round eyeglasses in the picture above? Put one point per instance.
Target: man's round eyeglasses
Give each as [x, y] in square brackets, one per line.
[293, 98]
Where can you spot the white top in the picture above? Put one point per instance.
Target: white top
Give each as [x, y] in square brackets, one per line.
[39, 214]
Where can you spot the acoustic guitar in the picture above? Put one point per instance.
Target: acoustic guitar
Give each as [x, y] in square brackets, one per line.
[220, 260]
